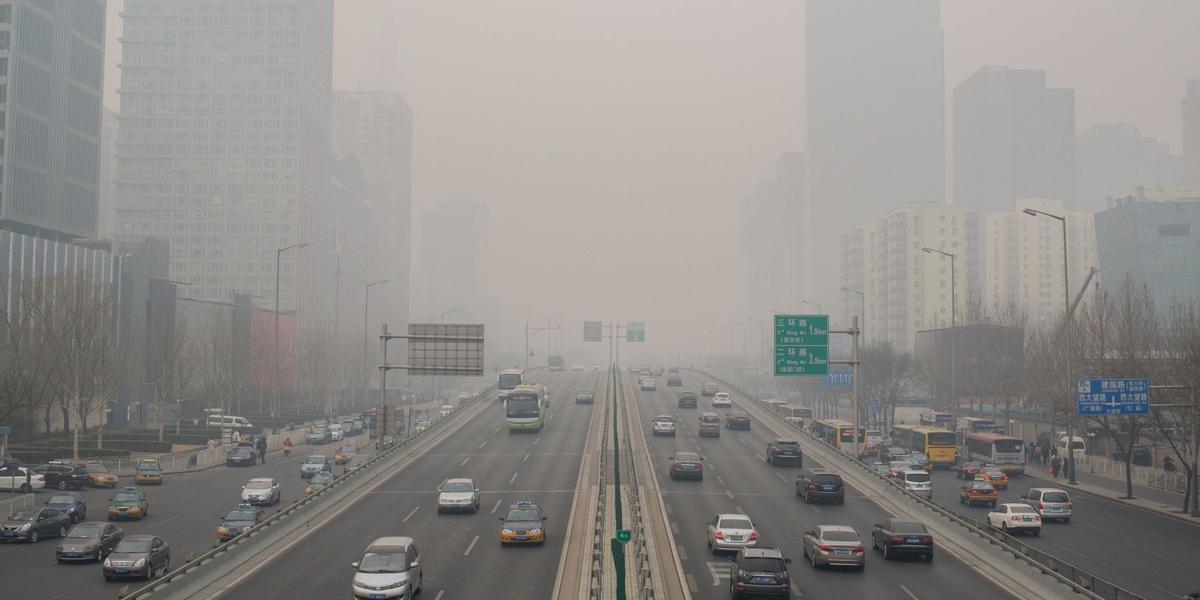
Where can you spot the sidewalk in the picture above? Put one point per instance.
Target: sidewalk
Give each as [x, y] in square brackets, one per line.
[1145, 498]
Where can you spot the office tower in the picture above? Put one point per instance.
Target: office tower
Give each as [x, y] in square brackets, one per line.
[1153, 237]
[1191, 132]
[775, 240]
[1112, 158]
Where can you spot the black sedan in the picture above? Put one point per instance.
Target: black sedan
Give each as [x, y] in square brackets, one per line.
[34, 524]
[242, 456]
[89, 541]
[687, 465]
[64, 476]
[737, 420]
[894, 537]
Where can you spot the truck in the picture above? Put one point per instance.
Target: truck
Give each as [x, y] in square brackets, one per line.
[554, 363]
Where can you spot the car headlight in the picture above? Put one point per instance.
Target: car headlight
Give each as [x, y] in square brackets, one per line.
[222, 530]
[141, 562]
[535, 531]
[506, 531]
[393, 586]
[25, 527]
[107, 562]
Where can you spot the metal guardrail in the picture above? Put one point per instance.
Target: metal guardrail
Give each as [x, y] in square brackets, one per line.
[288, 510]
[596, 586]
[644, 580]
[1080, 580]
[17, 502]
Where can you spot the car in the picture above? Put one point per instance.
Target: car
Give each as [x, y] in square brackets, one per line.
[721, 400]
[895, 537]
[336, 433]
[737, 420]
[881, 468]
[994, 476]
[968, 469]
[63, 476]
[709, 389]
[834, 545]
[730, 532]
[356, 462]
[317, 436]
[142, 556]
[663, 425]
[784, 452]
[313, 464]
[760, 572]
[978, 492]
[649, 384]
[674, 380]
[584, 397]
[128, 503]
[349, 429]
[1050, 503]
[896, 467]
[577, 368]
[71, 504]
[819, 484]
[686, 400]
[344, 454]
[687, 465]
[241, 456]
[262, 491]
[238, 520]
[524, 523]
[421, 426]
[1012, 517]
[890, 453]
[317, 482]
[31, 525]
[710, 425]
[89, 541]
[458, 495]
[23, 479]
[919, 461]
[389, 568]
[100, 476]
[1141, 455]
[445, 410]
[916, 481]
[148, 473]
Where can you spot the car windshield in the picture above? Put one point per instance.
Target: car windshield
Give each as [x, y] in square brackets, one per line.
[318, 430]
[839, 536]
[97, 468]
[126, 497]
[710, 419]
[24, 515]
[985, 487]
[241, 451]
[1022, 509]
[783, 444]
[917, 477]
[523, 514]
[240, 515]
[346, 448]
[85, 532]
[458, 486]
[736, 524]
[258, 485]
[687, 457]
[664, 419]
[390, 562]
[133, 546]
[62, 500]
[907, 527]
[1054, 497]
[827, 479]
[762, 565]
[149, 469]
[314, 460]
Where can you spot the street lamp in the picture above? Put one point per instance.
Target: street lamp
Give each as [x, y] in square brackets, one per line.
[366, 330]
[818, 306]
[275, 376]
[1066, 339]
[953, 324]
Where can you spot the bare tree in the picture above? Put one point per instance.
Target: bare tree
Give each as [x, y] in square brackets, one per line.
[27, 365]
[216, 374]
[167, 365]
[1178, 426]
[885, 373]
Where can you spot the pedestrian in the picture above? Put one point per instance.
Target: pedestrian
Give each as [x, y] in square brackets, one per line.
[1055, 464]
[1037, 454]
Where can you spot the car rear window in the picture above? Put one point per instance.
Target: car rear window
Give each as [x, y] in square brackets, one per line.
[687, 457]
[1020, 509]
[736, 524]
[710, 419]
[903, 527]
[1055, 497]
[918, 477]
[787, 444]
[839, 536]
[762, 565]
[827, 479]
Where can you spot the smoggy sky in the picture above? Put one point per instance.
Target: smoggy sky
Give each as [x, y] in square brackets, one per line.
[614, 139]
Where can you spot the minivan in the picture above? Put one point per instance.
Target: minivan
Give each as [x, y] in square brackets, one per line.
[390, 568]
[710, 425]
[1050, 503]
[228, 421]
[1079, 446]
[917, 482]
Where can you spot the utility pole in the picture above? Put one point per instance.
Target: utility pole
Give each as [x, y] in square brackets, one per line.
[854, 332]
[953, 333]
[275, 376]
[366, 361]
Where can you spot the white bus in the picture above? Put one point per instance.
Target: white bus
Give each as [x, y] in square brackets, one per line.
[507, 380]
[1000, 450]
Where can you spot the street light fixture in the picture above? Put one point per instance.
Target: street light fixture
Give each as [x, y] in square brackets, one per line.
[1033, 212]
[862, 310]
[275, 376]
[366, 330]
[818, 306]
[953, 324]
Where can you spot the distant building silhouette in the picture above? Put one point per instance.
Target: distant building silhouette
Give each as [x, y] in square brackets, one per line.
[1191, 131]
[1113, 158]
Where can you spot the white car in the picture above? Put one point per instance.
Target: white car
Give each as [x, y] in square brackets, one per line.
[917, 481]
[728, 532]
[576, 368]
[446, 410]
[663, 425]
[335, 432]
[455, 495]
[13, 478]
[261, 490]
[722, 400]
[1011, 517]
[649, 384]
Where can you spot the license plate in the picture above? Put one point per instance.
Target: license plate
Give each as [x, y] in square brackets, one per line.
[522, 538]
[842, 551]
[71, 554]
[913, 541]
[735, 538]
[120, 570]
[8, 534]
[377, 596]
[1056, 509]
[762, 580]
[1027, 519]
[827, 488]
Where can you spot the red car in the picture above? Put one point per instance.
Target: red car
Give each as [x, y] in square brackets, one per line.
[968, 469]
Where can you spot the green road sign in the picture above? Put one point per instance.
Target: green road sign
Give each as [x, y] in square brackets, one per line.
[801, 345]
[635, 331]
[624, 535]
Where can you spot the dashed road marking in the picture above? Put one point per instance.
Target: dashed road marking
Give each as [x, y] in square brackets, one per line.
[743, 441]
[682, 552]
[483, 443]
[721, 481]
[439, 595]
[526, 458]
[495, 507]
[729, 493]
[785, 479]
[536, 440]
[910, 594]
[719, 571]
[410, 514]
[464, 461]
[496, 430]
[691, 581]
[514, 478]
[472, 545]
[674, 528]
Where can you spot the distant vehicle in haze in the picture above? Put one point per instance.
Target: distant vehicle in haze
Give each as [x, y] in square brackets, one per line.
[576, 368]
[674, 380]
[584, 397]
[722, 400]
[709, 389]
[507, 380]
[554, 363]
[710, 425]
[687, 400]
[663, 425]
[648, 384]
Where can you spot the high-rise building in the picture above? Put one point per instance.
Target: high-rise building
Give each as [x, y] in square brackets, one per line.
[1013, 138]
[1023, 260]
[876, 114]
[224, 145]
[1112, 158]
[1191, 131]
[376, 127]
[1154, 239]
[107, 187]
[775, 240]
[905, 289]
[53, 69]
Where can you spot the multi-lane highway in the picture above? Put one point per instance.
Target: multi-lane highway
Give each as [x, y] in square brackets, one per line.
[738, 480]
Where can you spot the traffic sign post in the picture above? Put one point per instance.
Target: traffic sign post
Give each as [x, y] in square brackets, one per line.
[624, 535]
[801, 345]
[593, 331]
[1101, 397]
[635, 331]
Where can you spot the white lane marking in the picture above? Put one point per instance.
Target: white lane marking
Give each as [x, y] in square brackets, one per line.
[472, 545]
[910, 594]
[691, 581]
[496, 430]
[814, 507]
[526, 457]
[464, 461]
[1071, 550]
[743, 441]
[721, 481]
[785, 479]
[729, 493]
[536, 440]
[414, 511]
[670, 511]
[1169, 592]
[759, 456]
[719, 571]
[514, 478]
[682, 552]
[483, 443]
[495, 507]
[439, 595]
[1155, 555]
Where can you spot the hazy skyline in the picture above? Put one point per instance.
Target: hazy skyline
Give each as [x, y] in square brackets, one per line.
[640, 127]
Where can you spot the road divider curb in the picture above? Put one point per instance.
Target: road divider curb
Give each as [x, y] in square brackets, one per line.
[573, 583]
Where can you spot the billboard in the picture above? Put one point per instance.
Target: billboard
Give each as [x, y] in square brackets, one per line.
[445, 349]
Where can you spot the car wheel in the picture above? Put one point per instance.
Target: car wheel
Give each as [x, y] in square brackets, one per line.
[62, 484]
[1036, 532]
[874, 543]
[1004, 526]
[1066, 520]
[26, 488]
[886, 555]
[812, 558]
[108, 577]
[33, 537]
[929, 557]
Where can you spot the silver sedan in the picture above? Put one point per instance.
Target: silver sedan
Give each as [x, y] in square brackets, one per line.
[827, 545]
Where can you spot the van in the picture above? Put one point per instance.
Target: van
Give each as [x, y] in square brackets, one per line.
[917, 482]
[1078, 446]
[228, 421]
[710, 425]
[1050, 503]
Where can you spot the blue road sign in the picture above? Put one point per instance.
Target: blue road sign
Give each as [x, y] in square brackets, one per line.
[1100, 397]
[5, 430]
[838, 378]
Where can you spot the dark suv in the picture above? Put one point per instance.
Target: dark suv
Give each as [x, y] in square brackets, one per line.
[64, 476]
[737, 420]
[760, 572]
[819, 484]
[687, 400]
[784, 452]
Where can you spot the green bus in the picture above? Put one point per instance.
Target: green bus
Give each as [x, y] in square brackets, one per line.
[524, 409]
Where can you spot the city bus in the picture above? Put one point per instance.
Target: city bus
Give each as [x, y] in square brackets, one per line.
[969, 425]
[837, 433]
[798, 416]
[1001, 450]
[507, 380]
[939, 445]
[524, 410]
[902, 435]
[937, 419]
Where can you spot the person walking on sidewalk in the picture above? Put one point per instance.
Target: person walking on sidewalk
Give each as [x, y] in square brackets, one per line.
[1037, 455]
[1055, 464]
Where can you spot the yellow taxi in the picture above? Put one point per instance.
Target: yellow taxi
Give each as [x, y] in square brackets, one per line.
[100, 476]
[344, 454]
[994, 476]
[148, 473]
[978, 492]
[523, 524]
[129, 503]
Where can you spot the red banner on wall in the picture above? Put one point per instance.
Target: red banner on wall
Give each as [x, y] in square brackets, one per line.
[262, 348]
